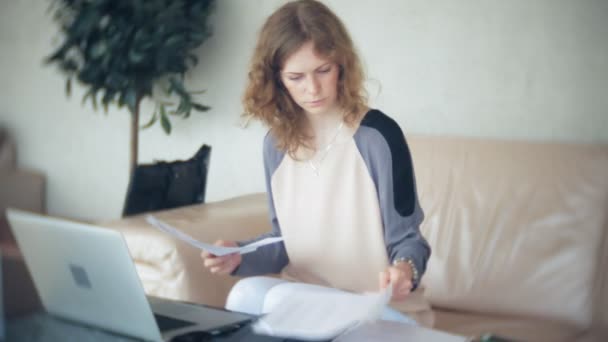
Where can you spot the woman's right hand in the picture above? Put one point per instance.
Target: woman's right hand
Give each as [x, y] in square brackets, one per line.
[224, 264]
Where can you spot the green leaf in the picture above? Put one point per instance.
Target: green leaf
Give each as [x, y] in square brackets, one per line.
[94, 99]
[69, 66]
[99, 49]
[164, 121]
[121, 99]
[68, 87]
[107, 98]
[136, 57]
[193, 59]
[91, 93]
[177, 86]
[185, 106]
[174, 40]
[87, 19]
[151, 122]
[131, 99]
[59, 54]
[199, 107]
[84, 97]
[198, 92]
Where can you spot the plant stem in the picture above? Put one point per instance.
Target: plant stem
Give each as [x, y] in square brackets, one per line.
[134, 136]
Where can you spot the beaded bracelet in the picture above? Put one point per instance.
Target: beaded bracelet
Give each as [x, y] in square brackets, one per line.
[415, 274]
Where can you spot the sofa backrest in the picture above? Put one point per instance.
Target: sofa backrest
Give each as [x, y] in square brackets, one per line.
[515, 227]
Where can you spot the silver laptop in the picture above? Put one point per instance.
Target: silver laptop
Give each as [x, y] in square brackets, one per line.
[84, 273]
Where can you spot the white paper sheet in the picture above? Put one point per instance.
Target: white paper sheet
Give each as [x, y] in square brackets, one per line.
[213, 249]
[317, 315]
[387, 331]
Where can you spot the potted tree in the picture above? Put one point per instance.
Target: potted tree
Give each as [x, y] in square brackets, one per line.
[122, 50]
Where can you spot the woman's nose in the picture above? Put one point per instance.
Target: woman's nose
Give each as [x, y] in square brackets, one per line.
[312, 85]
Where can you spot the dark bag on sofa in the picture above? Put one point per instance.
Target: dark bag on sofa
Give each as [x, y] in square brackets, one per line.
[165, 185]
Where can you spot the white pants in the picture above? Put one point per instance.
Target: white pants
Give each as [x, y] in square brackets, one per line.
[258, 295]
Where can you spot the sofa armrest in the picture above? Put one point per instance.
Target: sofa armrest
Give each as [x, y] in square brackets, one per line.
[21, 189]
[19, 293]
[170, 268]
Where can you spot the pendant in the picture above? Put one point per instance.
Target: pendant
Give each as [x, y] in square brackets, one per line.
[324, 151]
[315, 169]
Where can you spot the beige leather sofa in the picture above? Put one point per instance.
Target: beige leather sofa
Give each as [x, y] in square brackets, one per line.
[519, 232]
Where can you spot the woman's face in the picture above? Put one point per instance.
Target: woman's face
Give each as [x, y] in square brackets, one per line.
[311, 80]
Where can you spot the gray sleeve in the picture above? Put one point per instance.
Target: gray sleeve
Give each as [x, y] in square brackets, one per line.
[271, 258]
[388, 159]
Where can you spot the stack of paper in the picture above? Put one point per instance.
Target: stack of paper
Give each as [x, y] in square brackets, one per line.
[321, 315]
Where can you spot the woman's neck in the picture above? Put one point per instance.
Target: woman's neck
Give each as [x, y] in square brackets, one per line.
[323, 127]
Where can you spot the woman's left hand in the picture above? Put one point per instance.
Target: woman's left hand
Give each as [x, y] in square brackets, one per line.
[400, 276]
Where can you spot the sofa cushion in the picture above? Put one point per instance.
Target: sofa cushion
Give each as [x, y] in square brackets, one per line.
[515, 228]
[511, 327]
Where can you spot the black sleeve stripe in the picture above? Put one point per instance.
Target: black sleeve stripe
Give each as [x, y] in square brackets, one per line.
[403, 178]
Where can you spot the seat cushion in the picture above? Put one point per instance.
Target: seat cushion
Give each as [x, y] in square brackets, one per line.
[511, 327]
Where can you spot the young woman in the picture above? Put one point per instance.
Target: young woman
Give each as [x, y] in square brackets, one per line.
[339, 176]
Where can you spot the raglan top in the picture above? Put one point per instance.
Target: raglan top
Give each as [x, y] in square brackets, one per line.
[346, 223]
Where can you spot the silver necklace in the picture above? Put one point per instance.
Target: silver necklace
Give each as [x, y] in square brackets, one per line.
[324, 151]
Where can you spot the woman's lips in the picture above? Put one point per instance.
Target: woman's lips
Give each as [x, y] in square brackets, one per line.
[316, 103]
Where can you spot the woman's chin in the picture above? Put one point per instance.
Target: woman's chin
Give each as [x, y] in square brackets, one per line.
[318, 109]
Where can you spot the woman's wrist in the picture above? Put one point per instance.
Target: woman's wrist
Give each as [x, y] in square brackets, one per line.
[409, 267]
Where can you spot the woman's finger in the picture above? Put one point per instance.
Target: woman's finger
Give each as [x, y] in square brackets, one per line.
[207, 255]
[214, 262]
[401, 285]
[396, 276]
[224, 268]
[384, 279]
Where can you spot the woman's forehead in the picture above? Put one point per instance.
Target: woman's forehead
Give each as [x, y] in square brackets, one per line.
[304, 59]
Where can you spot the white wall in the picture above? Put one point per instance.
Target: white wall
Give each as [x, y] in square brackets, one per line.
[508, 69]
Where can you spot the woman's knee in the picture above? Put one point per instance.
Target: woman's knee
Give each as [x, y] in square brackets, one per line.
[247, 295]
[390, 314]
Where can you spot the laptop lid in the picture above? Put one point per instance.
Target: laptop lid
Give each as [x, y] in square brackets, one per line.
[84, 273]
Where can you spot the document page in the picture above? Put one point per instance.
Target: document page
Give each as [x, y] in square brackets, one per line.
[213, 249]
[318, 315]
[387, 331]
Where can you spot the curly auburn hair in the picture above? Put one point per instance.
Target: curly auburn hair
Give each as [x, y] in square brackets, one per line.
[284, 32]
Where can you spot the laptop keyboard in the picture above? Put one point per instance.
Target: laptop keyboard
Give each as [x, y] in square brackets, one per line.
[169, 323]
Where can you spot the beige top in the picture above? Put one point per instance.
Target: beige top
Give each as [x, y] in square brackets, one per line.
[331, 221]
[347, 216]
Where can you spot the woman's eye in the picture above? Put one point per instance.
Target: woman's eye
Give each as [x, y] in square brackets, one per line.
[294, 78]
[325, 71]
